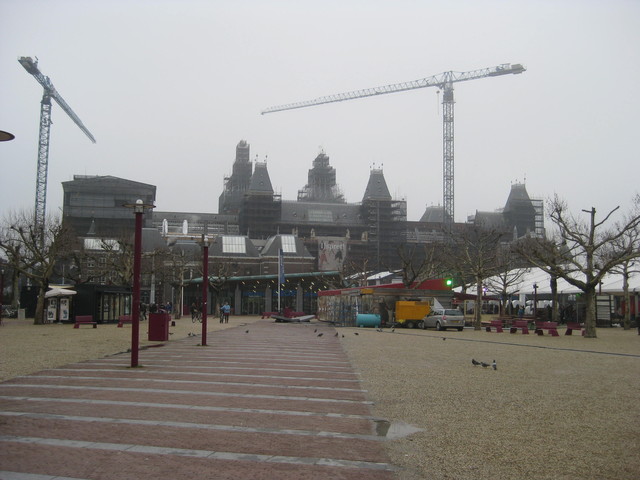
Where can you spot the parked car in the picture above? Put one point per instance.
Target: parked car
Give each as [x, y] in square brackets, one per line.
[443, 318]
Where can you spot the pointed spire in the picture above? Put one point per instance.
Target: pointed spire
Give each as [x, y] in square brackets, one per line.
[92, 228]
[377, 187]
[260, 181]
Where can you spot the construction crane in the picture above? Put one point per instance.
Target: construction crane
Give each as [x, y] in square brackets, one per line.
[49, 93]
[445, 82]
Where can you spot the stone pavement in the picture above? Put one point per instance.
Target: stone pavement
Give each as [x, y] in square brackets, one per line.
[261, 401]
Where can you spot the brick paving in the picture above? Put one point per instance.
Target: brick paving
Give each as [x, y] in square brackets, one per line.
[278, 402]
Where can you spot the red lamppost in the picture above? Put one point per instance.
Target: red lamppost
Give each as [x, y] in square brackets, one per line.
[205, 242]
[138, 210]
[1, 292]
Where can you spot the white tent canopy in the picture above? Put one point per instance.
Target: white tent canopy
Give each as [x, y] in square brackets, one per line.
[612, 283]
[59, 292]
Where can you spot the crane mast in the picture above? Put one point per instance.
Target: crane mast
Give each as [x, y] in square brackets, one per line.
[443, 81]
[43, 138]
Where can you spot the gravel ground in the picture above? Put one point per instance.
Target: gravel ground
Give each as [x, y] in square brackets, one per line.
[555, 408]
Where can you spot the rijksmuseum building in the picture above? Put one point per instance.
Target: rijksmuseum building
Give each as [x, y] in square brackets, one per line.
[319, 233]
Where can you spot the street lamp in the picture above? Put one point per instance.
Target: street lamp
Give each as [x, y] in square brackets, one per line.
[205, 241]
[535, 301]
[138, 209]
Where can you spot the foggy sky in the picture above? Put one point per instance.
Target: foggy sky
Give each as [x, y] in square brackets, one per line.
[168, 88]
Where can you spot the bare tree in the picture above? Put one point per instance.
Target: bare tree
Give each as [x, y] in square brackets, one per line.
[508, 279]
[219, 273]
[33, 251]
[354, 273]
[473, 253]
[418, 262]
[176, 263]
[583, 252]
[629, 240]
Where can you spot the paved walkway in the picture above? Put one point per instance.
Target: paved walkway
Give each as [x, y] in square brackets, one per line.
[262, 401]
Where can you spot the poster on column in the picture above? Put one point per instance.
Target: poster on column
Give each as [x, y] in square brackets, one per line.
[52, 307]
[331, 253]
[64, 309]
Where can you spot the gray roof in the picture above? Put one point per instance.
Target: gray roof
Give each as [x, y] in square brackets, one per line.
[519, 200]
[377, 187]
[493, 220]
[275, 243]
[433, 215]
[193, 217]
[314, 213]
[102, 181]
[260, 181]
[152, 240]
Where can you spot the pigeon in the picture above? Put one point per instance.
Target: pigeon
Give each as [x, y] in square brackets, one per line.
[444, 338]
[475, 362]
[356, 333]
[484, 365]
[494, 365]
[343, 335]
[336, 334]
[393, 330]
[246, 331]
[315, 330]
[320, 334]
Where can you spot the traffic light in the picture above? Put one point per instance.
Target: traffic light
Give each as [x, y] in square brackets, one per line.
[448, 282]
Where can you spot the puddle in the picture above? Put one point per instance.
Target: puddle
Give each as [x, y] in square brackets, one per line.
[394, 430]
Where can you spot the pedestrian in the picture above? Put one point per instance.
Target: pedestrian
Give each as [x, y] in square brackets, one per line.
[226, 309]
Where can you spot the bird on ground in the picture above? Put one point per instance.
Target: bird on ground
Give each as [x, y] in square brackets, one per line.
[336, 334]
[494, 365]
[246, 331]
[444, 338]
[356, 333]
[484, 365]
[320, 334]
[315, 330]
[343, 335]
[393, 330]
[475, 362]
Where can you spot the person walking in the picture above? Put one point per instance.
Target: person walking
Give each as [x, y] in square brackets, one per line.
[226, 309]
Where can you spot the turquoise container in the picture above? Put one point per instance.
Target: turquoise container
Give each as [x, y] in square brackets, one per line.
[368, 320]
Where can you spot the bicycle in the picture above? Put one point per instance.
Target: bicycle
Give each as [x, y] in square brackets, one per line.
[196, 317]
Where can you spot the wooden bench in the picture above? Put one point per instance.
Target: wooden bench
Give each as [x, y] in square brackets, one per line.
[550, 327]
[122, 319]
[571, 326]
[520, 324]
[497, 324]
[85, 320]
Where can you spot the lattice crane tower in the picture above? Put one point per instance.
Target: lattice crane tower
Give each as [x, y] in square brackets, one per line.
[49, 93]
[443, 81]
